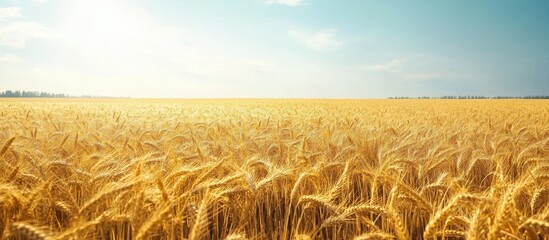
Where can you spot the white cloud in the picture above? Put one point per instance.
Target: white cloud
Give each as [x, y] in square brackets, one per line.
[292, 3]
[415, 69]
[324, 39]
[393, 66]
[9, 58]
[17, 34]
[425, 75]
[6, 13]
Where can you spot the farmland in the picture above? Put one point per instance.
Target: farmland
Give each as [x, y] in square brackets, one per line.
[274, 169]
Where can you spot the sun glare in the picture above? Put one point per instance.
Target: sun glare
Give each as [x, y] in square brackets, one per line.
[105, 27]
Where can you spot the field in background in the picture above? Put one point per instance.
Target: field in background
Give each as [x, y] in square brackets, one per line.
[274, 169]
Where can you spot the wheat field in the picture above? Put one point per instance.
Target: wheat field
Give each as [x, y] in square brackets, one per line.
[274, 169]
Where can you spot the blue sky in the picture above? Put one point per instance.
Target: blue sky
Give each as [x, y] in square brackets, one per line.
[275, 48]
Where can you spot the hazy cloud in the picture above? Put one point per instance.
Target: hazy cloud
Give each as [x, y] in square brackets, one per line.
[324, 39]
[292, 3]
[393, 66]
[406, 69]
[425, 75]
[15, 32]
[6, 13]
[9, 58]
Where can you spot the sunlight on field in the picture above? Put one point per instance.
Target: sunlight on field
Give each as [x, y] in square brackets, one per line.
[274, 169]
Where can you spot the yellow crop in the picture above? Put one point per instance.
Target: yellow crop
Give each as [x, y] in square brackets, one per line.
[274, 169]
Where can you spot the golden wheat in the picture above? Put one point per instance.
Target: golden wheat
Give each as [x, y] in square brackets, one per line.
[274, 169]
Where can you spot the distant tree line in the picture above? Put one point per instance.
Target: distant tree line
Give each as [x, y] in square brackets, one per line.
[476, 97]
[36, 94]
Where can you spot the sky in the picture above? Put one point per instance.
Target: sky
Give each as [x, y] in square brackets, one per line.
[275, 48]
